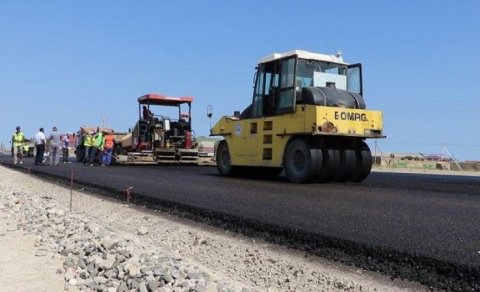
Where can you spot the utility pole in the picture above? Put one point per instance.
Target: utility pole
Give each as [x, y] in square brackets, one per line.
[445, 149]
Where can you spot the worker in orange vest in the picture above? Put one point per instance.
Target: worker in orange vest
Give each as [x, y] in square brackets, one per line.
[108, 149]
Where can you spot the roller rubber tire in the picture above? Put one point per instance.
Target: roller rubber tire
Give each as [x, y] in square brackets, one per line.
[322, 174]
[348, 164]
[302, 163]
[223, 160]
[364, 162]
[333, 164]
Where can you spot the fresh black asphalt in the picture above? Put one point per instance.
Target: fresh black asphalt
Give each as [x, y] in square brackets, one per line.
[431, 216]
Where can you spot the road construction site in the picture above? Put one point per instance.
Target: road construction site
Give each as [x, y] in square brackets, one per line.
[192, 254]
[293, 173]
[435, 242]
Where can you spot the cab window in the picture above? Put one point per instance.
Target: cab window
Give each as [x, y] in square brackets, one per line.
[274, 87]
[286, 97]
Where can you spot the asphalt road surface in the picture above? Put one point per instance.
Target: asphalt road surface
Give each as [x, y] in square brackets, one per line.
[437, 216]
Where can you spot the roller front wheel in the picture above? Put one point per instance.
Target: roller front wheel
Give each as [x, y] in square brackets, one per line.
[224, 161]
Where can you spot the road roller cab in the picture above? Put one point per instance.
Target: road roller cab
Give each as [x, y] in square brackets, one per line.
[307, 116]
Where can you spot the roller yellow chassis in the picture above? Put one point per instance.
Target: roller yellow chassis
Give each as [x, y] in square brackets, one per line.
[262, 141]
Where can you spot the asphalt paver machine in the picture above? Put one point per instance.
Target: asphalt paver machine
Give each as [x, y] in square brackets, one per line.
[160, 138]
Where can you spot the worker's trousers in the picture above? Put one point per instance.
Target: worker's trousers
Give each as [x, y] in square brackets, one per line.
[54, 153]
[65, 154]
[39, 154]
[17, 153]
[88, 153]
[107, 156]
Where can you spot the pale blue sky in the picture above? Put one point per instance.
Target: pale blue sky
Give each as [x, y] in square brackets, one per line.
[69, 63]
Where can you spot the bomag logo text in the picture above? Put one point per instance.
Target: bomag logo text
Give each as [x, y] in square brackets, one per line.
[347, 116]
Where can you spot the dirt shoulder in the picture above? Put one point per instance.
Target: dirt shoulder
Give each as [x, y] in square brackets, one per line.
[22, 266]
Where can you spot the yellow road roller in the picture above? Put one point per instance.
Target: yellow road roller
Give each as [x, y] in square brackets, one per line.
[307, 117]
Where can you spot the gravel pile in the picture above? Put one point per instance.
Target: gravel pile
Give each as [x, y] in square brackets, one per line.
[97, 258]
[110, 246]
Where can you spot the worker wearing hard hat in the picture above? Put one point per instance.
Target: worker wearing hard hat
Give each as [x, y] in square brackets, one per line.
[18, 139]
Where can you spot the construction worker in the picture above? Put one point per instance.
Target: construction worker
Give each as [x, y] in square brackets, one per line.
[98, 143]
[147, 114]
[88, 144]
[55, 146]
[18, 139]
[65, 144]
[40, 141]
[108, 149]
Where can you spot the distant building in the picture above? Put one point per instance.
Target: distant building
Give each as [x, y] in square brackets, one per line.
[423, 161]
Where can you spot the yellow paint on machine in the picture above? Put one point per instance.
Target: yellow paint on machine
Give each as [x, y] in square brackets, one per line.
[347, 121]
[262, 141]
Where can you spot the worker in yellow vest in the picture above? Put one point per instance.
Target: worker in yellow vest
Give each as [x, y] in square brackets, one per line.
[18, 140]
[88, 144]
[98, 142]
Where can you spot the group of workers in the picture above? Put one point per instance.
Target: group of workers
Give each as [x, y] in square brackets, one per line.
[98, 145]
[20, 147]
